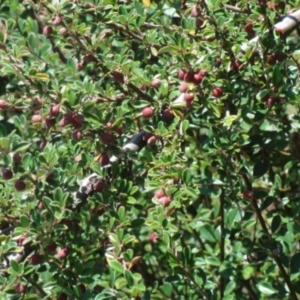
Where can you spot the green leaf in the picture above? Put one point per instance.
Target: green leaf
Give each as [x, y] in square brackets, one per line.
[200, 277]
[266, 288]
[213, 261]
[186, 176]
[261, 168]
[115, 265]
[40, 76]
[230, 288]
[5, 144]
[15, 266]
[122, 11]
[262, 94]
[3, 131]
[166, 49]
[32, 40]
[58, 195]
[166, 289]
[228, 121]
[277, 75]
[207, 233]
[24, 221]
[295, 263]
[21, 146]
[276, 222]
[121, 212]
[129, 278]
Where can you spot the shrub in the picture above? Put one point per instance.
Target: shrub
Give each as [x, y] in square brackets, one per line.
[82, 79]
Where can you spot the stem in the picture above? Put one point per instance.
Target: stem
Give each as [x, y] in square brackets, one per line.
[251, 293]
[236, 9]
[222, 242]
[37, 286]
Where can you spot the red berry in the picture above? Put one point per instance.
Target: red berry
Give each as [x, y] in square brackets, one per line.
[188, 97]
[189, 77]
[181, 74]
[106, 138]
[280, 5]
[57, 20]
[20, 185]
[199, 22]
[235, 65]
[104, 160]
[20, 288]
[153, 237]
[147, 136]
[51, 247]
[21, 239]
[183, 87]
[147, 112]
[271, 60]
[7, 174]
[195, 12]
[77, 120]
[118, 76]
[89, 58]
[197, 78]
[203, 72]
[36, 119]
[43, 144]
[63, 31]
[271, 101]
[40, 205]
[151, 140]
[63, 122]
[3, 103]
[155, 83]
[35, 259]
[168, 114]
[62, 253]
[62, 296]
[280, 56]
[159, 194]
[248, 195]
[217, 92]
[49, 122]
[249, 28]
[69, 116]
[77, 135]
[80, 66]
[54, 110]
[165, 201]
[90, 5]
[100, 211]
[17, 158]
[47, 30]
[100, 186]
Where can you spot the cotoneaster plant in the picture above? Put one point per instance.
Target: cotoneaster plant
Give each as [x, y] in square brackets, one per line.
[149, 150]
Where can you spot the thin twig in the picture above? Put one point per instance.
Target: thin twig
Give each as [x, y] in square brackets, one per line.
[236, 9]
[222, 242]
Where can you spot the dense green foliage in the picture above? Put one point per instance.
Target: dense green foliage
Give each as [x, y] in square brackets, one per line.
[75, 79]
